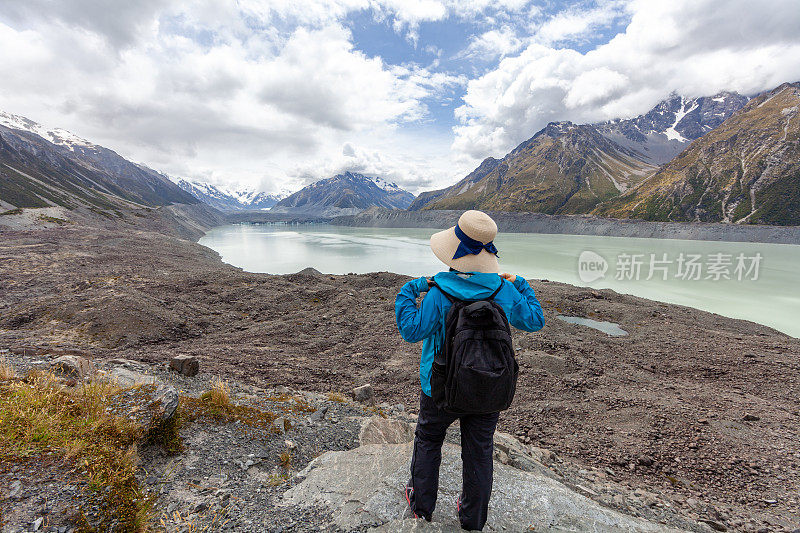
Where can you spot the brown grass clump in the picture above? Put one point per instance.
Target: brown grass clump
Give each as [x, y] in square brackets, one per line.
[37, 416]
[295, 404]
[336, 397]
[216, 405]
[6, 370]
[285, 460]
[218, 399]
[377, 411]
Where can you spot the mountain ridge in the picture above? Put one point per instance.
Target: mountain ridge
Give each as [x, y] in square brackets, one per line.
[62, 169]
[567, 168]
[343, 194]
[229, 200]
[747, 170]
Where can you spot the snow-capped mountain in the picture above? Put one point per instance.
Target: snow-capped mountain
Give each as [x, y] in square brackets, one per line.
[41, 167]
[568, 168]
[229, 200]
[57, 136]
[345, 194]
[664, 131]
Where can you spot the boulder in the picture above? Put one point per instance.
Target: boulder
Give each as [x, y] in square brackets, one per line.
[364, 393]
[130, 378]
[363, 488]
[165, 403]
[319, 414]
[73, 366]
[188, 365]
[377, 430]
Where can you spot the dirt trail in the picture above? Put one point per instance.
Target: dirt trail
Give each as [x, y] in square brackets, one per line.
[692, 404]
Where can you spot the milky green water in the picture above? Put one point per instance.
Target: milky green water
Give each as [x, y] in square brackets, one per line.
[772, 299]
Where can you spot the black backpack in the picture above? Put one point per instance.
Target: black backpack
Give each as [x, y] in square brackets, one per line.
[475, 371]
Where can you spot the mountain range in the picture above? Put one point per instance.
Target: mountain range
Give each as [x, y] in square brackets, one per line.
[41, 168]
[568, 168]
[345, 194]
[723, 158]
[747, 170]
[227, 199]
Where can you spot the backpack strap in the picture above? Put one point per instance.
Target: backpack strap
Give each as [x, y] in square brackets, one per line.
[502, 281]
[447, 295]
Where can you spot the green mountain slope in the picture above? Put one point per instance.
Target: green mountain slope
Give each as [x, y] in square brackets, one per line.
[563, 169]
[747, 170]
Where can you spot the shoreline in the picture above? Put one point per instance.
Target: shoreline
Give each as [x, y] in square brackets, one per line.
[512, 222]
[629, 291]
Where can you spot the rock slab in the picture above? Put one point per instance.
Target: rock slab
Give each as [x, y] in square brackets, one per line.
[188, 365]
[73, 366]
[364, 393]
[378, 430]
[364, 488]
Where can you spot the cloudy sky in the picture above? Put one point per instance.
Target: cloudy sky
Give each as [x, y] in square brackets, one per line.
[274, 94]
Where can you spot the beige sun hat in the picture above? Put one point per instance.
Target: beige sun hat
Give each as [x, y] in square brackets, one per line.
[477, 230]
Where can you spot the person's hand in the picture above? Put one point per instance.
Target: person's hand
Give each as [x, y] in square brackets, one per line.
[424, 284]
[510, 277]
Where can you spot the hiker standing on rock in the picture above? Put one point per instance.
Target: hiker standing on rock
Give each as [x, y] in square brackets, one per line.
[468, 370]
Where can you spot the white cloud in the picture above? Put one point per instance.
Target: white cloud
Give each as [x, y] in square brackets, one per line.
[493, 43]
[575, 23]
[196, 91]
[694, 47]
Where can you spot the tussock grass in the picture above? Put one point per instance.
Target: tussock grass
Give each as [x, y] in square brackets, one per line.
[377, 411]
[285, 460]
[218, 398]
[336, 397]
[6, 370]
[215, 404]
[294, 404]
[38, 415]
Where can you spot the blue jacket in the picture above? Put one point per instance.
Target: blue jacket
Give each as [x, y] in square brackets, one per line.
[426, 322]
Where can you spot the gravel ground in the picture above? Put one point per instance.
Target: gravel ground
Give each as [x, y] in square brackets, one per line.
[691, 406]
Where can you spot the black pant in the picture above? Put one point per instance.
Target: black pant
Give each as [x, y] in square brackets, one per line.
[477, 446]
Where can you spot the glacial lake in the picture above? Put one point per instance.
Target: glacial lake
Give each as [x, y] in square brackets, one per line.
[754, 281]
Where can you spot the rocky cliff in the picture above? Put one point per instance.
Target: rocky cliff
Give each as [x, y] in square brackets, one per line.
[747, 170]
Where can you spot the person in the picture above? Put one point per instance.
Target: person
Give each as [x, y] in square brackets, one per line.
[469, 251]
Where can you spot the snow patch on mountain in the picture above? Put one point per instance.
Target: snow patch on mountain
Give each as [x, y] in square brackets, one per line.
[56, 136]
[229, 199]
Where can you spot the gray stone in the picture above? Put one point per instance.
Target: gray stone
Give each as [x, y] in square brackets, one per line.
[751, 418]
[188, 365]
[716, 526]
[364, 393]
[130, 378]
[363, 487]
[16, 490]
[280, 424]
[166, 399]
[378, 430]
[319, 414]
[645, 460]
[410, 525]
[73, 366]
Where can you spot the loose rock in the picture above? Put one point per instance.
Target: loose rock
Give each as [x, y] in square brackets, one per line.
[73, 366]
[363, 393]
[188, 365]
